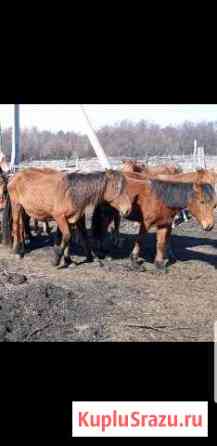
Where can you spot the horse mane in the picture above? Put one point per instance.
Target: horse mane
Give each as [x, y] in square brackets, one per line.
[89, 188]
[177, 195]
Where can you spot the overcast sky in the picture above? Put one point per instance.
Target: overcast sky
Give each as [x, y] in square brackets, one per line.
[69, 117]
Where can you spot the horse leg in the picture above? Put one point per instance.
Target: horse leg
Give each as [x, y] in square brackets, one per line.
[18, 246]
[58, 237]
[99, 229]
[84, 238]
[59, 251]
[136, 250]
[169, 251]
[115, 232]
[57, 243]
[163, 234]
[27, 236]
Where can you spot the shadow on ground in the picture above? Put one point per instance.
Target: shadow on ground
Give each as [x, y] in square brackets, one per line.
[181, 245]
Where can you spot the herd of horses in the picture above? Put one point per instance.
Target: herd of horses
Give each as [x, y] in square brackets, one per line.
[148, 196]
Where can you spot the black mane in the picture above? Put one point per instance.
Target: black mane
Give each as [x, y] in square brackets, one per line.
[89, 188]
[177, 195]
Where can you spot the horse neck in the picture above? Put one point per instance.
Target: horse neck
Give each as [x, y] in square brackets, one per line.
[87, 189]
[174, 195]
[135, 188]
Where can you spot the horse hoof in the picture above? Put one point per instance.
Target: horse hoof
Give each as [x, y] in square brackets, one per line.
[172, 260]
[135, 264]
[17, 255]
[161, 267]
[19, 251]
[90, 259]
[67, 261]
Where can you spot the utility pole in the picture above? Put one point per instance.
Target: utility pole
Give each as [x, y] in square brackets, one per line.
[95, 142]
[15, 155]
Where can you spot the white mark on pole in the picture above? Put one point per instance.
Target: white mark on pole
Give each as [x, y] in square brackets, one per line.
[95, 142]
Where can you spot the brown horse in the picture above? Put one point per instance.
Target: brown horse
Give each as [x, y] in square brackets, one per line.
[133, 166]
[47, 193]
[3, 188]
[109, 215]
[201, 176]
[164, 173]
[4, 179]
[155, 203]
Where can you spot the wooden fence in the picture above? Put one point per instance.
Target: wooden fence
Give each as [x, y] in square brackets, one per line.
[187, 163]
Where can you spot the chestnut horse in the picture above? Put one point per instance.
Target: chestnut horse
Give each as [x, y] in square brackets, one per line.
[155, 203]
[201, 176]
[47, 193]
[109, 215]
[133, 166]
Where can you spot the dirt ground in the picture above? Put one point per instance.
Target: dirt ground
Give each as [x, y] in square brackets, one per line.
[107, 300]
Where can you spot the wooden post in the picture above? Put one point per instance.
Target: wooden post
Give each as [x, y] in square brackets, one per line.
[15, 155]
[95, 142]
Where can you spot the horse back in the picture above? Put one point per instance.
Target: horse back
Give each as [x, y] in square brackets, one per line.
[40, 191]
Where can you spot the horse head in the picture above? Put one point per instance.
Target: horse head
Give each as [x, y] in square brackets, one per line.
[202, 204]
[3, 188]
[116, 192]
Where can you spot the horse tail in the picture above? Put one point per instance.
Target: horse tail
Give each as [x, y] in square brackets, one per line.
[7, 222]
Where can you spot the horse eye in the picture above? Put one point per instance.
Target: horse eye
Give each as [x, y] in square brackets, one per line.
[202, 202]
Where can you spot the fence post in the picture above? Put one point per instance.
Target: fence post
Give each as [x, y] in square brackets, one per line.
[15, 155]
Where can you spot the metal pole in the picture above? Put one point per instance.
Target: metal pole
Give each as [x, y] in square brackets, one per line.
[15, 155]
[95, 142]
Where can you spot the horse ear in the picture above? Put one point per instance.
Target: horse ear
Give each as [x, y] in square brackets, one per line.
[109, 172]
